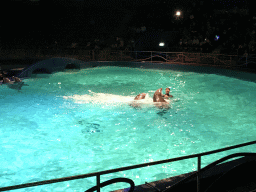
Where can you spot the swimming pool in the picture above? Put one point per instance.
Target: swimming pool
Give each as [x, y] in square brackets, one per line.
[78, 122]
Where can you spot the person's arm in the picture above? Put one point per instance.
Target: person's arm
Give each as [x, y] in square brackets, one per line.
[167, 96]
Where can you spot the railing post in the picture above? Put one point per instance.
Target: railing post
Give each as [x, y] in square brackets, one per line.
[198, 59]
[151, 56]
[246, 55]
[198, 172]
[98, 182]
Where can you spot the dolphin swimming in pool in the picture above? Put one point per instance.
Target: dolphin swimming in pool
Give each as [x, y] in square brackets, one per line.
[140, 96]
[159, 100]
[136, 104]
[158, 96]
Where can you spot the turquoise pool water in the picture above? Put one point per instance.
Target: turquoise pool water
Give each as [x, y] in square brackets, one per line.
[78, 122]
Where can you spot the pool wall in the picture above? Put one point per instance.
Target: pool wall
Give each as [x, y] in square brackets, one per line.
[60, 63]
[176, 67]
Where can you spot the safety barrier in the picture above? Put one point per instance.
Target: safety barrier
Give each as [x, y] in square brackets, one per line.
[98, 174]
[123, 55]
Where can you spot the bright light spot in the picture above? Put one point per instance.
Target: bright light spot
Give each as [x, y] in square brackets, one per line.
[178, 13]
[161, 44]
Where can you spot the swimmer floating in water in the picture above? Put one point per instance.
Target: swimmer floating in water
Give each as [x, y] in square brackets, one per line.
[167, 93]
[6, 80]
[16, 84]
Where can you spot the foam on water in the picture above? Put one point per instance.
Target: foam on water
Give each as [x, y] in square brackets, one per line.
[111, 99]
[98, 98]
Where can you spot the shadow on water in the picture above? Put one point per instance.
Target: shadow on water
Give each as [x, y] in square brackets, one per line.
[17, 85]
[89, 127]
[163, 111]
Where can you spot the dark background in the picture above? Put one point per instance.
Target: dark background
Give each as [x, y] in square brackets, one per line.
[46, 23]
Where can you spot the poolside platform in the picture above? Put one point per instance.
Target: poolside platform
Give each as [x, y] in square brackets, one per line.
[237, 175]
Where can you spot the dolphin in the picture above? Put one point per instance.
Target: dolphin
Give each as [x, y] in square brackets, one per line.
[160, 102]
[140, 96]
[158, 96]
[136, 104]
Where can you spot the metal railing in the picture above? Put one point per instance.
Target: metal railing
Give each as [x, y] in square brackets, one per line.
[99, 174]
[123, 55]
[211, 165]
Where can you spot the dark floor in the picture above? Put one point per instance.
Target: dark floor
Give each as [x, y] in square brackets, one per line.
[234, 176]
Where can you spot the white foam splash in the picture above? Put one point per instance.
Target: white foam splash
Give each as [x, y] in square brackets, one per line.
[101, 98]
[105, 98]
